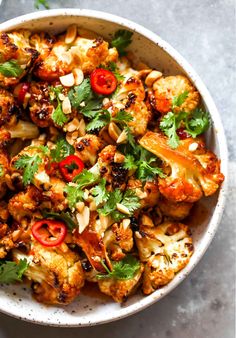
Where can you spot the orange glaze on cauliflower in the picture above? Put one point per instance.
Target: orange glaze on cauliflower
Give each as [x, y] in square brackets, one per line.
[121, 206]
[191, 174]
[16, 46]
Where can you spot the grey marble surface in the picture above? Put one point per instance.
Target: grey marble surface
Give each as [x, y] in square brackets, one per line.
[203, 305]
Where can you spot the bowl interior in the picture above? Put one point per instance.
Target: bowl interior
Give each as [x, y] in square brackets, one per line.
[90, 308]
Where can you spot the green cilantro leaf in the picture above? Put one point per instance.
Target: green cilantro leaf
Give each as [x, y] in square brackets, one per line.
[44, 3]
[130, 200]
[74, 194]
[110, 206]
[122, 116]
[64, 216]
[101, 119]
[169, 124]
[11, 272]
[11, 68]
[85, 178]
[100, 193]
[58, 115]
[198, 123]
[122, 270]
[130, 163]
[121, 40]
[29, 165]
[62, 150]
[140, 162]
[80, 93]
[179, 100]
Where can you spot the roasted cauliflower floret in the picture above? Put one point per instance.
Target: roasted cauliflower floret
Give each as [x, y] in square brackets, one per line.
[170, 87]
[178, 211]
[25, 203]
[130, 96]
[15, 47]
[118, 240]
[111, 167]
[166, 249]
[86, 54]
[191, 174]
[55, 194]
[40, 105]
[4, 168]
[56, 274]
[148, 192]
[119, 290]
[87, 148]
[43, 43]
[8, 107]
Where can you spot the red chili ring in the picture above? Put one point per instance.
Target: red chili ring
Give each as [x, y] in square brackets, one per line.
[42, 235]
[103, 81]
[70, 167]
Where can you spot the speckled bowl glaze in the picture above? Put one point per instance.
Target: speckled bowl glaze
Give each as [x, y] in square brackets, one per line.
[16, 300]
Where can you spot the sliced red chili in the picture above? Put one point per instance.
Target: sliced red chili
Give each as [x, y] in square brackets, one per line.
[103, 81]
[24, 88]
[182, 133]
[49, 232]
[70, 167]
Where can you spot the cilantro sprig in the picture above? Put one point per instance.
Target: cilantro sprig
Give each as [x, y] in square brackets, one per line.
[122, 270]
[129, 199]
[195, 123]
[198, 123]
[29, 165]
[61, 150]
[58, 115]
[74, 190]
[144, 164]
[11, 68]
[11, 272]
[121, 40]
[100, 193]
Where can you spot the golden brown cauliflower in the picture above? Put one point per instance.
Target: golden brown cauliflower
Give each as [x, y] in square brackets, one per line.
[166, 249]
[111, 169]
[4, 168]
[87, 148]
[148, 192]
[192, 173]
[130, 96]
[56, 273]
[86, 54]
[170, 87]
[15, 46]
[119, 290]
[25, 203]
[40, 106]
[8, 107]
[178, 211]
[118, 240]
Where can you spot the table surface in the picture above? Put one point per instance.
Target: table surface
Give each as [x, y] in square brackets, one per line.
[203, 305]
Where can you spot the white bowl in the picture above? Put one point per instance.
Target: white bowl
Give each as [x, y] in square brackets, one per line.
[87, 310]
